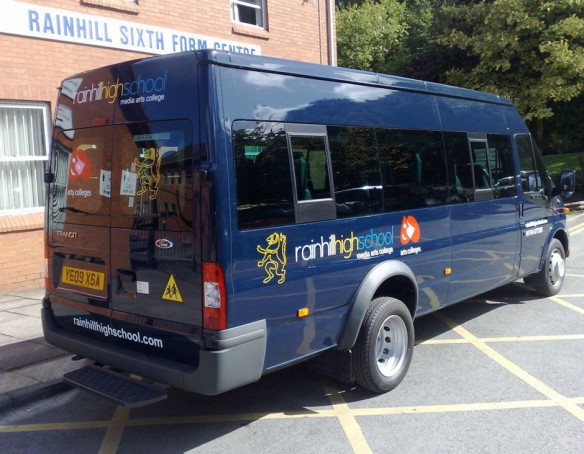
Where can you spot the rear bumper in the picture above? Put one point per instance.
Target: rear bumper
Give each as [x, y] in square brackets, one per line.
[237, 360]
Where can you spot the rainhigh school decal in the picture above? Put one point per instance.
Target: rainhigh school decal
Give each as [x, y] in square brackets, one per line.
[274, 257]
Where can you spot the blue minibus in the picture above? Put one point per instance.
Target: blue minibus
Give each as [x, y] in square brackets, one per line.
[213, 217]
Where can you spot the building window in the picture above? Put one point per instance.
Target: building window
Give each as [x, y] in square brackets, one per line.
[24, 139]
[250, 12]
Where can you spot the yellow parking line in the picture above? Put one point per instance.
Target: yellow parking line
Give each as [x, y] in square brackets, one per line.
[576, 229]
[454, 408]
[307, 414]
[54, 426]
[489, 340]
[115, 430]
[568, 305]
[346, 418]
[544, 389]
[573, 295]
[234, 417]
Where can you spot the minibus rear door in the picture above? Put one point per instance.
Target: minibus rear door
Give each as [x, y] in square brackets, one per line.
[154, 274]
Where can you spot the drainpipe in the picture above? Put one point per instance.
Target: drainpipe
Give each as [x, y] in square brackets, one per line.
[330, 10]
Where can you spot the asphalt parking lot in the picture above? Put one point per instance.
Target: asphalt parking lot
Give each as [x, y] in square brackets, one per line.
[503, 372]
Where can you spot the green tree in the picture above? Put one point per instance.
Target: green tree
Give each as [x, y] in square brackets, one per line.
[370, 32]
[394, 37]
[530, 51]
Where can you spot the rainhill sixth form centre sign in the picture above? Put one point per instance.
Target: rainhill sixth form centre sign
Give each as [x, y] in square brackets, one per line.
[35, 21]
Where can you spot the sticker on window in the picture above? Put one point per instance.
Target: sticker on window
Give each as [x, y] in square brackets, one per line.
[128, 184]
[105, 183]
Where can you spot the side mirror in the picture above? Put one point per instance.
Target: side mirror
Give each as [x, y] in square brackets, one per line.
[567, 183]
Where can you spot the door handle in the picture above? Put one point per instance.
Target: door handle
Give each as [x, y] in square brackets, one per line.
[126, 281]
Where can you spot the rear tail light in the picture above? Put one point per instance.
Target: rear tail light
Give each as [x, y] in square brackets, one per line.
[214, 297]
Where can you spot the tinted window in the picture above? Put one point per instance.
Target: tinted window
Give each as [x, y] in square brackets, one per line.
[413, 169]
[152, 178]
[262, 174]
[502, 165]
[81, 163]
[310, 167]
[356, 171]
[460, 167]
[531, 179]
[534, 178]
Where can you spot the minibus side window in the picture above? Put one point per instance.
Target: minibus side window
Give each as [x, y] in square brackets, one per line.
[310, 168]
[356, 171]
[502, 166]
[413, 169]
[262, 175]
[481, 168]
[531, 171]
[459, 166]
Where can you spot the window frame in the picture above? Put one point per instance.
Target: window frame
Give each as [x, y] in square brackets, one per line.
[323, 208]
[260, 12]
[46, 135]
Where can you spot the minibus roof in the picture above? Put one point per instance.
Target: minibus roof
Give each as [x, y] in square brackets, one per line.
[292, 67]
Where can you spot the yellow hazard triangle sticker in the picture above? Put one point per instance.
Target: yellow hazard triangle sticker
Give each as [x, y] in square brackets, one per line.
[171, 292]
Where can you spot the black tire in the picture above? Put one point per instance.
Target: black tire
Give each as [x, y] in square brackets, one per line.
[385, 345]
[549, 280]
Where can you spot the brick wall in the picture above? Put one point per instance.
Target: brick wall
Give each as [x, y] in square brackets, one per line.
[22, 262]
[32, 69]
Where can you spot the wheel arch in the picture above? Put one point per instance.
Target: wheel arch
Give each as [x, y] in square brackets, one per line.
[562, 236]
[391, 278]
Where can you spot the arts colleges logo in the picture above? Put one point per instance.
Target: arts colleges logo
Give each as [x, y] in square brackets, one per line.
[410, 233]
[80, 165]
[410, 230]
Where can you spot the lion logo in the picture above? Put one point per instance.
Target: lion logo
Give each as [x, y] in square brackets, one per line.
[274, 257]
[149, 172]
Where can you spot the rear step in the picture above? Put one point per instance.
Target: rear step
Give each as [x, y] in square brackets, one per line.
[116, 387]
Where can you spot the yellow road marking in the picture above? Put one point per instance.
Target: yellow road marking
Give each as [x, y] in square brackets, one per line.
[115, 430]
[346, 418]
[550, 393]
[455, 408]
[54, 426]
[568, 305]
[226, 418]
[576, 229]
[490, 340]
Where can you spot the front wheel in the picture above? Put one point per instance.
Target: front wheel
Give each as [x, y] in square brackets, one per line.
[385, 345]
[550, 279]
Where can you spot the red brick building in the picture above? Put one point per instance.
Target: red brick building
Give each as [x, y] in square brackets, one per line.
[42, 41]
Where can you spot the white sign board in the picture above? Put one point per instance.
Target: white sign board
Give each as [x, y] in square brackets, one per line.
[25, 19]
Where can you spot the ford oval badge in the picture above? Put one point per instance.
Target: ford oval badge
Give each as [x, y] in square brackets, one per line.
[163, 243]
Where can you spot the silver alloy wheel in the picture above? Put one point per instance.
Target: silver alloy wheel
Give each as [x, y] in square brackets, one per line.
[391, 346]
[556, 267]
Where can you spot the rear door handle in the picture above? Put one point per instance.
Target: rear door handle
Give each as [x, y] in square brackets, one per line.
[126, 282]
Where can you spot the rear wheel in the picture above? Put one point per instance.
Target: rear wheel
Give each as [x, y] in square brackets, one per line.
[550, 279]
[384, 347]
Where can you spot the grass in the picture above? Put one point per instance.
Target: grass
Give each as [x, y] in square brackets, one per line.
[555, 163]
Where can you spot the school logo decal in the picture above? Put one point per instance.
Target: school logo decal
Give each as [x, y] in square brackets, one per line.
[274, 257]
[410, 230]
[149, 172]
